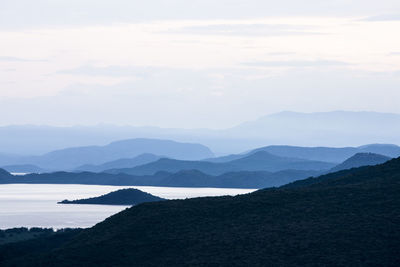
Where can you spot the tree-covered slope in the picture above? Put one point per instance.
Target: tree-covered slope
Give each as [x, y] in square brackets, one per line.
[349, 218]
[388, 172]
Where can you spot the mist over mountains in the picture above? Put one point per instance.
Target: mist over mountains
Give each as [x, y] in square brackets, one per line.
[115, 158]
[258, 161]
[334, 129]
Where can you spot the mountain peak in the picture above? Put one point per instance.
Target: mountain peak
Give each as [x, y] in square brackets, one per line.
[361, 159]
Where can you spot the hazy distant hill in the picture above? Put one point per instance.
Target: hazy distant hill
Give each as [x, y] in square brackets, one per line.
[338, 128]
[128, 196]
[4, 175]
[227, 158]
[347, 218]
[120, 163]
[329, 154]
[24, 168]
[71, 158]
[259, 161]
[361, 159]
[335, 129]
[392, 151]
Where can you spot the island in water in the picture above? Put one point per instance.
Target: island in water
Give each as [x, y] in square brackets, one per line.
[128, 196]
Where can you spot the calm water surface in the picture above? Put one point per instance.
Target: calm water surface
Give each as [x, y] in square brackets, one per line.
[35, 205]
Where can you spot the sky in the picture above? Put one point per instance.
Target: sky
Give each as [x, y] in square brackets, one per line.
[192, 63]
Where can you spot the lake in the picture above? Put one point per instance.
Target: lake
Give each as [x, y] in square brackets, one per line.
[35, 205]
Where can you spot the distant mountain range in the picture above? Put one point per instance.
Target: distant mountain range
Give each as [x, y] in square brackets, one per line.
[331, 154]
[126, 197]
[346, 218]
[257, 161]
[71, 158]
[120, 163]
[334, 129]
[186, 178]
[258, 168]
[240, 173]
[326, 154]
[96, 159]
[337, 128]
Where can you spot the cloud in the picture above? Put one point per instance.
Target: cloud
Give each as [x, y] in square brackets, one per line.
[17, 59]
[23, 14]
[297, 63]
[258, 29]
[114, 71]
[281, 53]
[387, 17]
[189, 98]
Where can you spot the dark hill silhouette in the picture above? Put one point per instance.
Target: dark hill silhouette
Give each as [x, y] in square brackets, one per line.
[258, 161]
[361, 159]
[128, 196]
[120, 163]
[390, 171]
[347, 218]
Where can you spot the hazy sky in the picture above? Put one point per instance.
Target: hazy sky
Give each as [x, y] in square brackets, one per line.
[186, 63]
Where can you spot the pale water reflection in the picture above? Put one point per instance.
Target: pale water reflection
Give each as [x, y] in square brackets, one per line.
[35, 205]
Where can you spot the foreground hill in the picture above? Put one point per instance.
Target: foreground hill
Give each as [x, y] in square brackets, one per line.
[189, 178]
[120, 197]
[359, 160]
[348, 218]
[71, 158]
[258, 161]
